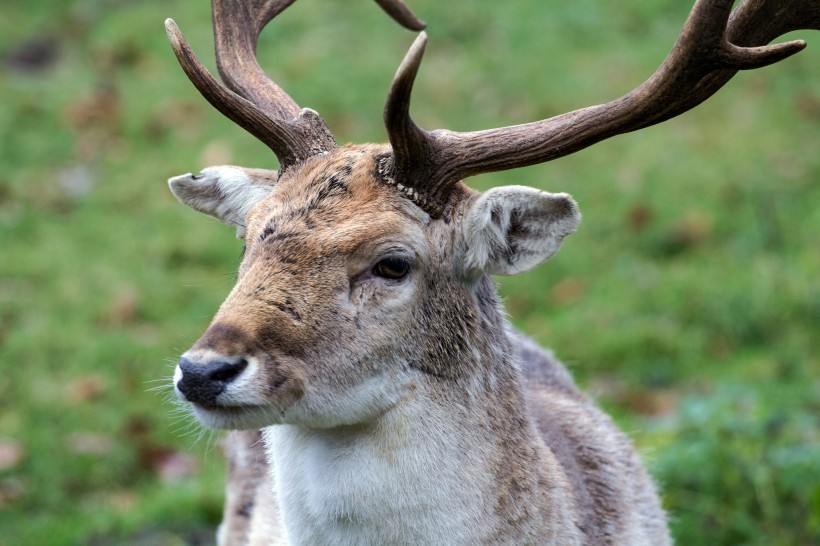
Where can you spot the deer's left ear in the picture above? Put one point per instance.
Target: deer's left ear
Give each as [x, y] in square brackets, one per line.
[226, 193]
[511, 229]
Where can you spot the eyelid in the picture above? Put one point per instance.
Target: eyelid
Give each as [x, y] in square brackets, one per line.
[404, 267]
[367, 254]
[393, 250]
[407, 257]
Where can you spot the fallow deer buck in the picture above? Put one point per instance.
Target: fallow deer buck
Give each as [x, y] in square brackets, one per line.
[364, 336]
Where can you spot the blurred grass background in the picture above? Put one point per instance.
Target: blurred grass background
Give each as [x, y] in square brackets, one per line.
[688, 303]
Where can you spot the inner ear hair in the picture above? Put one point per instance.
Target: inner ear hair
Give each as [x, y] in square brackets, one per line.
[511, 229]
[225, 192]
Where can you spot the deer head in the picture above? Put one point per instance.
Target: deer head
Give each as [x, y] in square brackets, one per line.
[366, 266]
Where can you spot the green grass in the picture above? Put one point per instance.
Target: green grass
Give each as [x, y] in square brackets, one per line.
[688, 302]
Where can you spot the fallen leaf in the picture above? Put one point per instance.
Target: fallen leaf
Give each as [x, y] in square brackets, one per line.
[11, 454]
[122, 500]
[808, 105]
[216, 152]
[123, 307]
[567, 291]
[86, 388]
[184, 118]
[101, 109]
[652, 402]
[641, 400]
[11, 489]
[175, 467]
[90, 443]
[639, 217]
[34, 55]
[693, 228]
[607, 386]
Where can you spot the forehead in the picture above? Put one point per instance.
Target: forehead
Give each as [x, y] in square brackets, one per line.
[339, 195]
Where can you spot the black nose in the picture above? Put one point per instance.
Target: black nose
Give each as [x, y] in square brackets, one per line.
[203, 382]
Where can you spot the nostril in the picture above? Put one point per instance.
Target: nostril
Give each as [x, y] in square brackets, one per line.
[202, 383]
[227, 371]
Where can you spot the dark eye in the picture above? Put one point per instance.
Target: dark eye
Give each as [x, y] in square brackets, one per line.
[392, 268]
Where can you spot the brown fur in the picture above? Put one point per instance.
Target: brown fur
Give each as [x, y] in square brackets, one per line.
[305, 308]
[585, 453]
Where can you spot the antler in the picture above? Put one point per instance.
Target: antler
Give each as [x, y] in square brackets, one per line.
[710, 50]
[251, 99]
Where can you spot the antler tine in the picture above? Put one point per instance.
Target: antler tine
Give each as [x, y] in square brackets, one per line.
[291, 142]
[251, 99]
[409, 142]
[399, 11]
[706, 56]
[256, 103]
[237, 25]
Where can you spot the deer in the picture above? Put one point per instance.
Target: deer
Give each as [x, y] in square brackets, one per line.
[375, 390]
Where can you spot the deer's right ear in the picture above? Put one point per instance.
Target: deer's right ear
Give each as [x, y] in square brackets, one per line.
[226, 193]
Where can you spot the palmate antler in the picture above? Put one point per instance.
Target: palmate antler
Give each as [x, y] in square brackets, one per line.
[714, 44]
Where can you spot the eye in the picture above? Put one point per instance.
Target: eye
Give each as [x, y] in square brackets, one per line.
[392, 268]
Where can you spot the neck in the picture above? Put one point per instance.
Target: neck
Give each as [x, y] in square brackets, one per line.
[458, 463]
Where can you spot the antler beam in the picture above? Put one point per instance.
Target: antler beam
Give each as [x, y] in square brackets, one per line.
[249, 97]
[710, 50]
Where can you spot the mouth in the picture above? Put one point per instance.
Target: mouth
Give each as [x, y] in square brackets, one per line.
[236, 417]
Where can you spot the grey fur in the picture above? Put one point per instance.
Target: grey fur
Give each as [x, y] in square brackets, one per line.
[599, 460]
[408, 412]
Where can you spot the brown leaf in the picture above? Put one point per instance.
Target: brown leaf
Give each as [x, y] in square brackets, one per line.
[86, 388]
[693, 228]
[11, 454]
[607, 386]
[122, 500]
[102, 109]
[808, 105]
[567, 291]
[639, 217]
[651, 402]
[34, 55]
[150, 453]
[123, 307]
[216, 152]
[169, 465]
[640, 400]
[175, 467]
[11, 489]
[90, 443]
[184, 118]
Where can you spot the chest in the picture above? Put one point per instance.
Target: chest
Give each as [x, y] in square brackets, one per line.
[342, 489]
